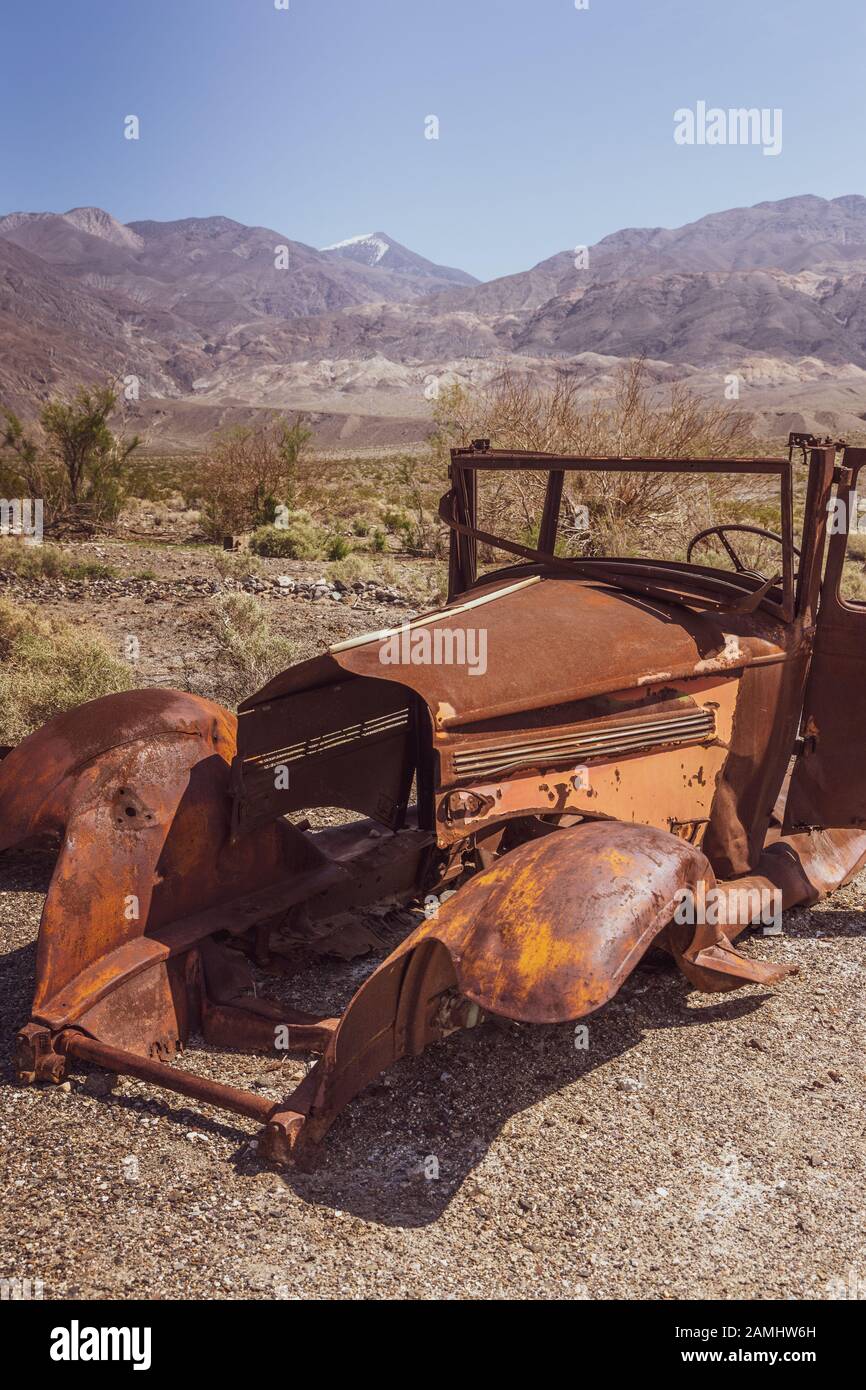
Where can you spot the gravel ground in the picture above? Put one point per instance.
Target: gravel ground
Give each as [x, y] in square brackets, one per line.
[702, 1146]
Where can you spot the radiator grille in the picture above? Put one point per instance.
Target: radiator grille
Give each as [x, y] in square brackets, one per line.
[687, 727]
[333, 741]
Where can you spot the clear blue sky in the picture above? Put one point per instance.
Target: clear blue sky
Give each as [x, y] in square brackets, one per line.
[556, 125]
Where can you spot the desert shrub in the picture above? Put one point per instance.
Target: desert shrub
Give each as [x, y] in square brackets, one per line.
[249, 653]
[236, 564]
[420, 529]
[355, 568]
[519, 412]
[73, 459]
[394, 520]
[337, 547]
[377, 542]
[48, 562]
[424, 584]
[47, 666]
[250, 473]
[167, 478]
[360, 526]
[297, 538]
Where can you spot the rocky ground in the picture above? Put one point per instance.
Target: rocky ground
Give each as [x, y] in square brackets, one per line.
[701, 1146]
[151, 609]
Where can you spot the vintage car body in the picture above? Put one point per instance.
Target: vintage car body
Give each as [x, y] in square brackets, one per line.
[642, 734]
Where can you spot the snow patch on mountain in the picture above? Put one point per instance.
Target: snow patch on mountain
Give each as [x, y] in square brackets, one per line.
[377, 246]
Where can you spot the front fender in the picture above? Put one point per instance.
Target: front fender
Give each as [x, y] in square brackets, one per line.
[550, 931]
[547, 934]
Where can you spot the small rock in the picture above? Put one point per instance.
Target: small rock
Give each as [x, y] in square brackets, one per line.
[100, 1083]
[628, 1084]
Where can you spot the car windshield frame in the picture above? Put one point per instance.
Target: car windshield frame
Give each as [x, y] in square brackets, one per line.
[678, 581]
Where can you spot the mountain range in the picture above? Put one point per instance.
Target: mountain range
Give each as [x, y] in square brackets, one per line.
[219, 320]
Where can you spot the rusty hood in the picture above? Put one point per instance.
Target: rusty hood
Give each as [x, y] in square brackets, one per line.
[518, 645]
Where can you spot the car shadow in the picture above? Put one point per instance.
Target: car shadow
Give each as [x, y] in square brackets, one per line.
[823, 919]
[405, 1146]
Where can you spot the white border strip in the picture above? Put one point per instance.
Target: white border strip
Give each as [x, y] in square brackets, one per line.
[440, 615]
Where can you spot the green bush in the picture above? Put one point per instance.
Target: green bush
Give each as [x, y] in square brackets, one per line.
[353, 568]
[250, 652]
[299, 539]
[337, 548]
[74, 461]
[47, 666]
[236, 564]
[48, 562]
[394, 521]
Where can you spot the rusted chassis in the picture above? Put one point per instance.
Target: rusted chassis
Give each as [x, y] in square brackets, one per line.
[178, 868]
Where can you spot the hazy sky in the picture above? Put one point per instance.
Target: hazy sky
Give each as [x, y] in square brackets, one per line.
[555, 124]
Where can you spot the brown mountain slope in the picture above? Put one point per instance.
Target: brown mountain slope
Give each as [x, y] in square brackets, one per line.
[210, 272]
[696, 318]
[380, 250]
[201, 309]
[793, 234]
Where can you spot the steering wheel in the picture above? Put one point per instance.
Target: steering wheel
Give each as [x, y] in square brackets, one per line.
[721, 532]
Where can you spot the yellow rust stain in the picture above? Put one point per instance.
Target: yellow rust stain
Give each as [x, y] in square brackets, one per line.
[532, 948]
[620, 863]
[542, 954]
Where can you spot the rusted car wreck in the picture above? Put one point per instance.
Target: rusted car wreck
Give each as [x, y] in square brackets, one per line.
[645, 733]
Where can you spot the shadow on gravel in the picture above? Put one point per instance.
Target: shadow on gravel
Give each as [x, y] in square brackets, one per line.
[27, 871]
[440, 1111]
[824, 920]
[452, 1102]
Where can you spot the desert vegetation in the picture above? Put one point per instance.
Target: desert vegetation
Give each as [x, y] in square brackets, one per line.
[249, 649]
[627, 511]
[72, 458]
[347, 521]
[249, 474]
[47, 561]
[260, 484]
[48, 665]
